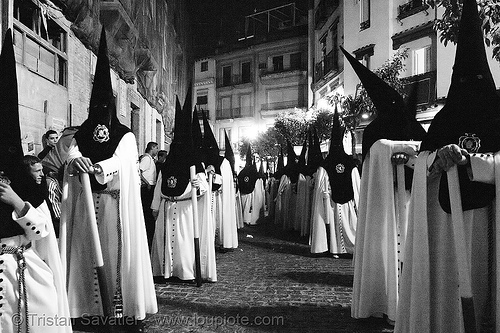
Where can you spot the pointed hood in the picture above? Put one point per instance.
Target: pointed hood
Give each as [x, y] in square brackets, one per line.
[472, 106]
[248, 175]
[176, 176]
[471, 116]
[393, 120]
[280, 167]
[337, 135]
[339, 165]
[211, 150]
[292, 167]
[314, 155]
[210, 144]
[249, 156]
[228, 153]
[198, 137]
[11, 152]
[101, 133]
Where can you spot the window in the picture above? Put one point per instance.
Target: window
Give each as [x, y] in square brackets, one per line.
[278, 63]
[225, 108]
[40, 43]
[421, 60]
[322, 42]
[204, 66]
[296, 60]
[364, 14]
[364, 54]
[245, 106]
[202, 102]
[245, 72]
[226, 75]
[365, 60]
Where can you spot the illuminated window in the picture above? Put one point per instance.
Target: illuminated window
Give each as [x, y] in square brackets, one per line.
[421, 60]
[364, 14]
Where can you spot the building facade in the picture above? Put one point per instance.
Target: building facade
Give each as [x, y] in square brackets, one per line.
[373, 31]
[56, 42]
[261, 75]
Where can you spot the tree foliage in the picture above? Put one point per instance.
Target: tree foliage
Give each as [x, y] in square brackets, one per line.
[447, 25]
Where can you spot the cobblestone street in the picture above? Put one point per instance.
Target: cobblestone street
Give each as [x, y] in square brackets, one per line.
[271, 283]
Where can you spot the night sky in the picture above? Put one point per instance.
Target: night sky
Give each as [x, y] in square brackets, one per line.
[222, 21]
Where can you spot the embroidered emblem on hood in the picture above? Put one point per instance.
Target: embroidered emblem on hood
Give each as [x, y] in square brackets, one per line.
[469, 142]
[171, 182]
[101, 133]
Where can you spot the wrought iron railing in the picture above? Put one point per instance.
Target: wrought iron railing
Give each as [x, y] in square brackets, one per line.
[411, 7]
[330, 63]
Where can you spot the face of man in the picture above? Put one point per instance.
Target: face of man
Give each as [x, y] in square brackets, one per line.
[36, 171]
[52, 139]
[162, 158]
[154, 151]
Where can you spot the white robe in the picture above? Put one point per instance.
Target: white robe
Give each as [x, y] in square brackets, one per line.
[272, 189]
[281, 215]
[239, 211]
[258, 202]
[303, 204]
[228, 231]
[376, 268]
[207, 214]
[124, 213]
[173, 243]
[429, 299]
[342, 218]
[44, 277]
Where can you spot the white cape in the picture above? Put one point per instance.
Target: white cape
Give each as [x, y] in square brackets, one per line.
[375, 287]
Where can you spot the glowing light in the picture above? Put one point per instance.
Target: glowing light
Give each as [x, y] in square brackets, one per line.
[365, 116]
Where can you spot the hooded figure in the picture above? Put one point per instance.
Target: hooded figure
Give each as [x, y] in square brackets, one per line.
[314, 155]
[211, 153]
[303, 200]
[247, 179]
[292, 166]
[229, 155]
[110, 147]
[228, 152]
[223, 201]
[335, 198]
[248, 175]
[173, 253]
[283, 194]
[429, 298]
[99, 135]
[380, 234]
[27, 235]
[280, 165]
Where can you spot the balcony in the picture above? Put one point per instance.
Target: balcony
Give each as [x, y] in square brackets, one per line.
[238, 112]
[234, 80]
[426, 88]
[330, 63]
[282, 105]
[324, 10]
[411, 7]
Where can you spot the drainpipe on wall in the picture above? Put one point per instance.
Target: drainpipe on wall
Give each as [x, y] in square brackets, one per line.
[310, 53]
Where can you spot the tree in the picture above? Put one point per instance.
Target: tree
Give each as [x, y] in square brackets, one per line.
[292, 126]
[447, 26]
[266, 145]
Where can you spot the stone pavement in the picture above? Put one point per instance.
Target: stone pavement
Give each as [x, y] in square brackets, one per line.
[271, 283]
